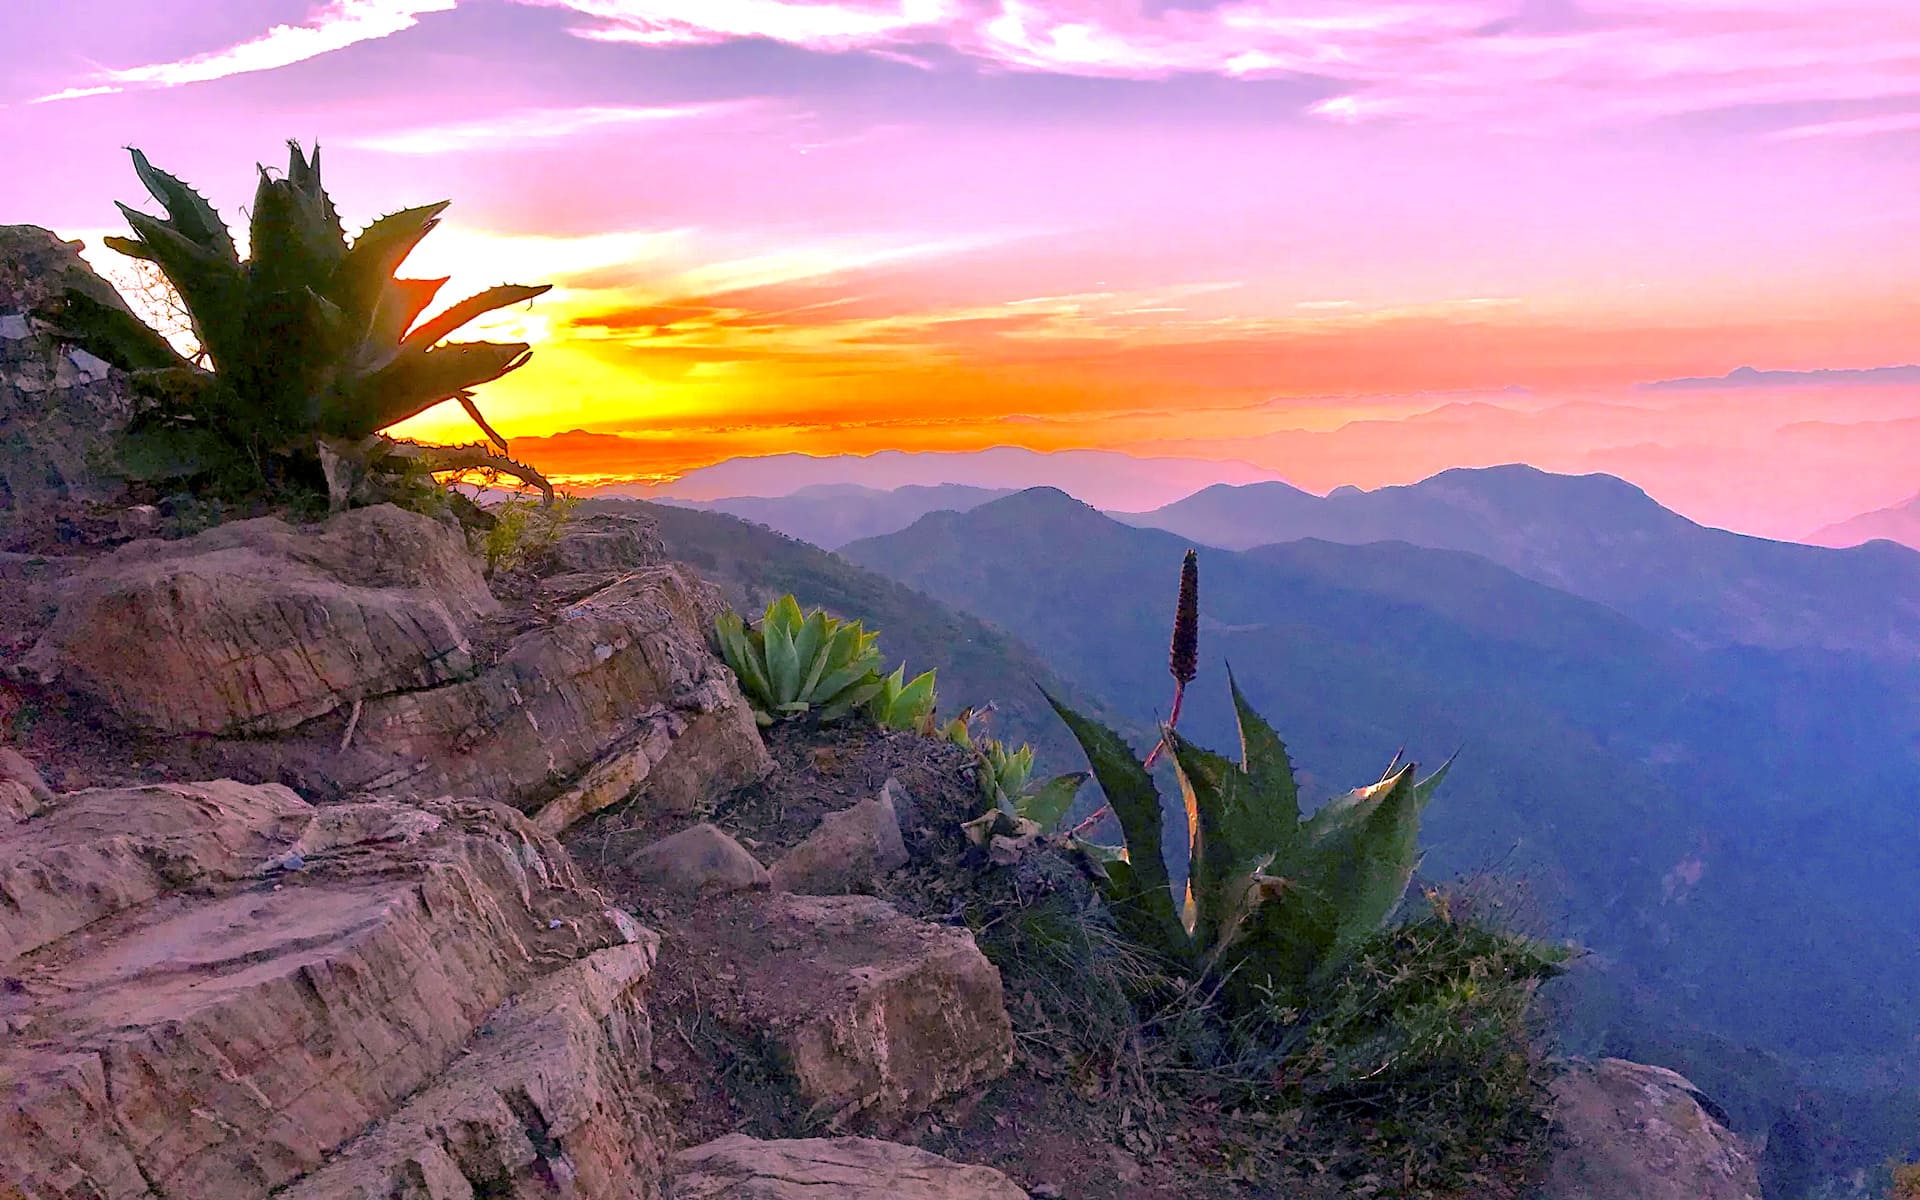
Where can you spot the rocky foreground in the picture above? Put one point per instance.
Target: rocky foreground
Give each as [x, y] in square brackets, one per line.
[284, 909]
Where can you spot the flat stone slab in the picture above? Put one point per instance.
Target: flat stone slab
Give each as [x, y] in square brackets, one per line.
[743, 1168]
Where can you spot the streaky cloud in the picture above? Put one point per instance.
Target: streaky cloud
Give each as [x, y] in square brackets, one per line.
[333, 26]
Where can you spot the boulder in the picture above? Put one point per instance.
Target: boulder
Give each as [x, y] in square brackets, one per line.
[623, 678]
[258, 627]
[1626, 1131]
[849, 851]
[212, 987]
[22, 792]
[866, 1010]
[739, 1167]
[551, 1097]
[61, 409]
[698, 859]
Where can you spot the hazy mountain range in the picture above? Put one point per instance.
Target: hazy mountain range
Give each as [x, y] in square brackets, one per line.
[1753, 377]
[1101, 477]
[1901, 523]
[833, 514]
[1709, 767]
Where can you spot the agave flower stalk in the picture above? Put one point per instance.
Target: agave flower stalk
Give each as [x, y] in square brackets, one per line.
[1183, 663]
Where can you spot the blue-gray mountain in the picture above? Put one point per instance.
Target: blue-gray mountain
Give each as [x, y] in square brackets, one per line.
[1600, 538]
[1731, 827]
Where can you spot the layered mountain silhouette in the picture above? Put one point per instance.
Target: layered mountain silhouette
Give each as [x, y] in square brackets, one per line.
[1901, 524]
[1600, 538]
[832, 514]
[1727, 824]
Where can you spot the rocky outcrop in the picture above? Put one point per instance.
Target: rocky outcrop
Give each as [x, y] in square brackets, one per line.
[849, 851]
[622, 678]
[258, 627]
[211, 988]
[1627, 1131]
[866, 1010]
[60, 408]
[550, 1098]
[365, 655]
[22, 792]
[743, 1168]
[701, 858]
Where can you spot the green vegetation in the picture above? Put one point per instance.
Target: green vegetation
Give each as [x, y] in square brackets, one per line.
[1271, 901]
[900, 704]
[308, 348]
[523, 530]
[792, 664]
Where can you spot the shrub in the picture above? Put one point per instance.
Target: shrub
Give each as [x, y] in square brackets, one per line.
[312, 345]
[522, 531]
[793, 664]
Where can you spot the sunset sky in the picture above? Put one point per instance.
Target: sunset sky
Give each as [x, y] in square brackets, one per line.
[1269, 230]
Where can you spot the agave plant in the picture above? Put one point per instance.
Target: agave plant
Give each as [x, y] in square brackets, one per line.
[900, 704]
[1271, 901]
[1016, 806]
[793, 664]
[312, 344]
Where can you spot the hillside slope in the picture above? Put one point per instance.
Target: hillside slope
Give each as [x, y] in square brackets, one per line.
[977, 662]
[1698, 816]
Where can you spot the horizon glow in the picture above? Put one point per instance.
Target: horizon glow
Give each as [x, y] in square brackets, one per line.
[1240, 230]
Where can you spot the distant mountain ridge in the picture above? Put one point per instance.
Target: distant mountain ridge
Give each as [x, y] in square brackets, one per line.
[1601, 538]
[830, 515]
[1105, 478]
[1900, 523]
[1747, 377]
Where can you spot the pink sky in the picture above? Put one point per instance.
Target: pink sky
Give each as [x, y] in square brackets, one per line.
[1224, 229]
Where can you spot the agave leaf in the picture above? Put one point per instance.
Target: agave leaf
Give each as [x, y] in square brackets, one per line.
[131, 247]
[1047, 805]
[187, 210]
[413, 383]
[400, 305]
[1212, 857]
[849, 700]
[915, 698]
[304, 175]
[1136, 802]
[783, 663]
[444, 323]
[1263, 805]
[737, 648]
[375, 256]
[811, 647]
[1362, 863]
[785, 612]
[112, 333]
[212, 287]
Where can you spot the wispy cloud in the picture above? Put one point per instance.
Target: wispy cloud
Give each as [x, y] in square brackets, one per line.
[1907, 122]
[832, 25]
[1552, 63]
[331, 27]
[531, 125]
